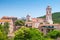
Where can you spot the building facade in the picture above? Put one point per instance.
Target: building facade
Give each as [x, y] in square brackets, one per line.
[11, 21]
[35, 22]
[43, 24]
[49, 15]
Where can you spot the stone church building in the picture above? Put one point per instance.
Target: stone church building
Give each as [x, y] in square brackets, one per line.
[35, 22]
[43, 24]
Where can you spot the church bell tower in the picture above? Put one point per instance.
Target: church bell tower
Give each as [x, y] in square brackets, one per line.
[49, 15]
[28, 18]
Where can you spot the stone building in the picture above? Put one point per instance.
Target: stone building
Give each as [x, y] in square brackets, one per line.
[49, 15]
[11, 21]
[43, 24]
[35, 22]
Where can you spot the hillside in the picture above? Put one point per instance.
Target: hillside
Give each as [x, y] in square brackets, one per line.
[55, 16]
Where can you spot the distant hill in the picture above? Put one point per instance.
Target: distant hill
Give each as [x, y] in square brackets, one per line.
[55, 16]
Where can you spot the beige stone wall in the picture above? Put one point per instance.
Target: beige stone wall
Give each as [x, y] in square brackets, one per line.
[11, 28]
[57, 27]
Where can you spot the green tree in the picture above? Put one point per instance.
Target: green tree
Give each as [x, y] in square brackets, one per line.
[1, 28]
[3, 35]
[48, 39]
[25, 33]
[54, 34]
[6, 27]
[20, 23]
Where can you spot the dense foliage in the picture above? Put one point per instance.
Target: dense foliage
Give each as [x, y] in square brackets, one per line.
[6, 27]
[25, 33]
[55, 17]
[19, 22]
[54, 34]
[3, 35]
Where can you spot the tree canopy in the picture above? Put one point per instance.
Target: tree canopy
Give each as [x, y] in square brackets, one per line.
[6, 27]
[25, 33]
[54, 34]
[3, 35]
[20, 23]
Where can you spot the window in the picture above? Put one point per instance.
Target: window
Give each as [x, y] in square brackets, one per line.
[41, 29]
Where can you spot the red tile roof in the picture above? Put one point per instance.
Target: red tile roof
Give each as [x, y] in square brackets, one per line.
[5, 20]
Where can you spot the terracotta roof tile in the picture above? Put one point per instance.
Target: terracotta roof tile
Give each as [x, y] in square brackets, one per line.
[5, 20]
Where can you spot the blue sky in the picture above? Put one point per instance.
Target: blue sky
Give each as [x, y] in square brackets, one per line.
[20, 8]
